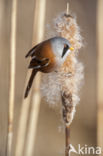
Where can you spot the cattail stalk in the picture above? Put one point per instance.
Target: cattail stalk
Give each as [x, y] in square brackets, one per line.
[67, 140]
[67, 12]
[66, 27]
[67, 109]
[12, 75]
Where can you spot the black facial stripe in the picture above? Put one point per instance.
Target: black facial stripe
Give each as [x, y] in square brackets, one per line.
[65, 50]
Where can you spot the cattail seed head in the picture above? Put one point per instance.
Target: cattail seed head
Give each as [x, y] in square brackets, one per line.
[65, 84]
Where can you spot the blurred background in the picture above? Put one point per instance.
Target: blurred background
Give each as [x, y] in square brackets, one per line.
[49, 140]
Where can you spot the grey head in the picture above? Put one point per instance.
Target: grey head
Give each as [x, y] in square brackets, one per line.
[61, 48]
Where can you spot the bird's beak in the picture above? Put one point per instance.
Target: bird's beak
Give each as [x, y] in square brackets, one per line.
[71, 48]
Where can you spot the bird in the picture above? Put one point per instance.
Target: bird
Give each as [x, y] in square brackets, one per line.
[47, 56]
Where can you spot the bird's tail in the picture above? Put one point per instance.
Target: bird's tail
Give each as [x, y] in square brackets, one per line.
[30, 82]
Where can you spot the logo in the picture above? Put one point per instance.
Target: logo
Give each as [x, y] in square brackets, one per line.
[82, 150]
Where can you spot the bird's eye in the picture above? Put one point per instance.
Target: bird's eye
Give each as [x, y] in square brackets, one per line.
[66, 47]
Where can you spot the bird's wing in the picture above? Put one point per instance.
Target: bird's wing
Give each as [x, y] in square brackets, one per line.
[32, 51]
[38, 63]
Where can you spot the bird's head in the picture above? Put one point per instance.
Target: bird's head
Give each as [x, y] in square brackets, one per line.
[61, 48]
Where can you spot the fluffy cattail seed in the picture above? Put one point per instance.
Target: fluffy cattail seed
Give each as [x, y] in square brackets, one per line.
[66, 83]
